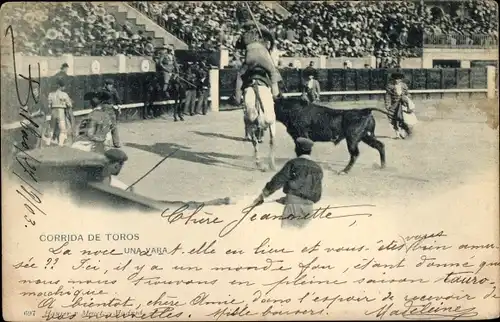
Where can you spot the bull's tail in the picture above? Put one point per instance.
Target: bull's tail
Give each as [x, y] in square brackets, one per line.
[371, 109]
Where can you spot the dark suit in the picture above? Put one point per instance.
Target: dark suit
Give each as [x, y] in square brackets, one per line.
[113, 114]
[203, 92]
[310, 71]
[191, 88]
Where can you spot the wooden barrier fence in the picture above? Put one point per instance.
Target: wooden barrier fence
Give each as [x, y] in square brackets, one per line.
[345, 84]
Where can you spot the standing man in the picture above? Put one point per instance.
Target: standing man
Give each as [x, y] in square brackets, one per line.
[63, 72]
[310, 70]
[61, 108]
[396, 95]
[191, 77]
[111, 105]
[312, 90]
[301, 179]
[203, 92]
[63, 75]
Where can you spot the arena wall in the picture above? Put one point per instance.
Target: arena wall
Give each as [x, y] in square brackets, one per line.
[464, 55]
[343, 84]
[86, 65]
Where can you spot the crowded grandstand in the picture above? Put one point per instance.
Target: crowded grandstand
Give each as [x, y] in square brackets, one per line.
[334, 29]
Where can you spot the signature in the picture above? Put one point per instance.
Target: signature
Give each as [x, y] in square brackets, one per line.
[427, 311]
[27, 164]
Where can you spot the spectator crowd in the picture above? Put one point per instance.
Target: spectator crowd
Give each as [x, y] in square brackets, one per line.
[79, 28]
[335, 29]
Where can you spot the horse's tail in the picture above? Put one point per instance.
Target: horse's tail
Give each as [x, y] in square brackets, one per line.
[259, 106]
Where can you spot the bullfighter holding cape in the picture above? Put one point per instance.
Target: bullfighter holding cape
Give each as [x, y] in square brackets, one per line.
[253, 41]
[400, 106]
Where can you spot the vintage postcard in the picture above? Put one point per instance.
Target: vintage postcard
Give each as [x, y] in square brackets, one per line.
[260, 160]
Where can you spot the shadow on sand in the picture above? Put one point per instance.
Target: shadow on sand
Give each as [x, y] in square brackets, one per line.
[219, 135]
[185, 153]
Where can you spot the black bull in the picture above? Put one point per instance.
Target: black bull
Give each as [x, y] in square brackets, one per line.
[322, 124]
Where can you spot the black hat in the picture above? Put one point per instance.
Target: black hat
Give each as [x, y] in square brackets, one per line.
[65, 65]
[116, 155]
[304, 144]
[109, 81]
[397, 75]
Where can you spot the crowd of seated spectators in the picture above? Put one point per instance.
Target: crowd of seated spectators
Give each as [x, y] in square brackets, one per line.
[353, 28]
[79, 28]
[204, 25]
[347, 29]
[335, 29]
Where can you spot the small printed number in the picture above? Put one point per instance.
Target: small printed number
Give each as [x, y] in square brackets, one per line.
[29, 313]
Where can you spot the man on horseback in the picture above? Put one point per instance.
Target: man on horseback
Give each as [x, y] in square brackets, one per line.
[167, 66]
[253, 40]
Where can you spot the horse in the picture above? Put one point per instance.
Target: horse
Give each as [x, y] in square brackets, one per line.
[259, 113]
[154, 92]
[177, 93]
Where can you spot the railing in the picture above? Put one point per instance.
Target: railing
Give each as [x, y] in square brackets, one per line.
[460, 41]
[158, 19]
[339, 80]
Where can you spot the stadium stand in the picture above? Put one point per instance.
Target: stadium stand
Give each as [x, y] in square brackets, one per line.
[78, 28]
[348, 29]
[334, 29]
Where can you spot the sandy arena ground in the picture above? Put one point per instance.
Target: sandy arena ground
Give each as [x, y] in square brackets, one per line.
[452, 143]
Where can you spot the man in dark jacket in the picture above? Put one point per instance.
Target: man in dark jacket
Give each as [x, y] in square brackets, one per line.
[63, 72]
[301, 180]
[310, 70]
[112, 106]
[191, 86]
[203, 90]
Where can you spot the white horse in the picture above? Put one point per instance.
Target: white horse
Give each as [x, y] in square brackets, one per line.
[260, 115]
